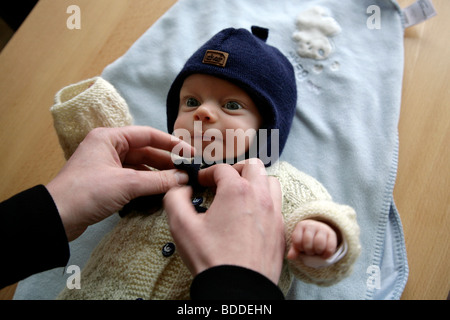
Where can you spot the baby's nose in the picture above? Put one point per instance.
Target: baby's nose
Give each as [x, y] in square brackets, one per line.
[205, 113]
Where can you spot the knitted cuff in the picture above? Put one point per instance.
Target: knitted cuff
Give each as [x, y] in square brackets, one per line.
[86, 105]
[343, 219]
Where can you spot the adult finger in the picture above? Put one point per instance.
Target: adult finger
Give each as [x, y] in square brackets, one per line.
[155, 158]
[253, 170]
[244, 164]
[142, 183]
[211, 177]
[140, 136]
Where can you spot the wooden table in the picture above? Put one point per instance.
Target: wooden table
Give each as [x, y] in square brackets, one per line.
[44, 56]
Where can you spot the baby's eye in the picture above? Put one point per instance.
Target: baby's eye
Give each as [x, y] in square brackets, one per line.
[192, 102]
[232, 105]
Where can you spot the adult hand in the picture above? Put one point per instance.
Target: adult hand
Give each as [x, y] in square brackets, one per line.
[95, 183]
[243, 226]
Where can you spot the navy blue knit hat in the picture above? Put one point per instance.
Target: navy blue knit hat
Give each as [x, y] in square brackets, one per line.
[245, 59]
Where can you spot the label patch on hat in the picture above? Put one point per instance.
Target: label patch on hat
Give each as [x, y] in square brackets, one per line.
[215, 57]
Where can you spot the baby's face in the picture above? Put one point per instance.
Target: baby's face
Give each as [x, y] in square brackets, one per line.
[208, 107]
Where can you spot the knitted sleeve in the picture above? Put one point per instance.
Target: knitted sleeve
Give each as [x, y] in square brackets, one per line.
[86, 105]
[305, 198]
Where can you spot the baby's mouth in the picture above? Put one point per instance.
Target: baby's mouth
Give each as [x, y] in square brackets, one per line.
[204, 137]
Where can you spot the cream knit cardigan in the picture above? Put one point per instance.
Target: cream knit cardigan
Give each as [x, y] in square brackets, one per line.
[128, 263]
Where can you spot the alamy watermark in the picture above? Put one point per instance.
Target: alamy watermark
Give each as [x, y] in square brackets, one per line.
[74, 20]
[74, 280]
[374, 279]
[374, 21]
[222, 148]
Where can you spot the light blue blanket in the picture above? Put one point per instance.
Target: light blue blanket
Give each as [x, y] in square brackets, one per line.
[344, 133]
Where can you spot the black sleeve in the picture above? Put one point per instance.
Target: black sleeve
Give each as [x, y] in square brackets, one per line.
[32, 236]
[233, 283]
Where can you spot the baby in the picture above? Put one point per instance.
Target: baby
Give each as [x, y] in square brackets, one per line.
[234, 98]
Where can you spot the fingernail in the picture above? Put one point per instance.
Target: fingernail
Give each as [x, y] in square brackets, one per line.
[182, 177]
